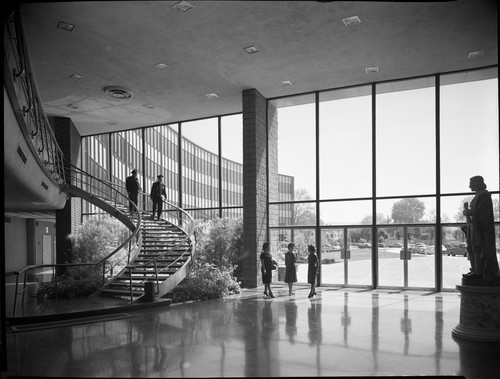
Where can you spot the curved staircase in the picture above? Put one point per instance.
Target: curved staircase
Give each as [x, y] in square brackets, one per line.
[166, 249]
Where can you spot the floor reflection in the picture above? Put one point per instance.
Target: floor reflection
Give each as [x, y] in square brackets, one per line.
[339, 333]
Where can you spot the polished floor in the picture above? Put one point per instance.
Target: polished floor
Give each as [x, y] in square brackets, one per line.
[339, 333]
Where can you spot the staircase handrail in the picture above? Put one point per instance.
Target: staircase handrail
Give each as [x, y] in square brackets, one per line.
[135, 235]
[185, 222]
[22, 90]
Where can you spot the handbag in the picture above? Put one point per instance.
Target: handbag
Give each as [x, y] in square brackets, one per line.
[274, 264]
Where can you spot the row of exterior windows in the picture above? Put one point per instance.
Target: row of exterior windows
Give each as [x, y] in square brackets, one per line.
[200, 168]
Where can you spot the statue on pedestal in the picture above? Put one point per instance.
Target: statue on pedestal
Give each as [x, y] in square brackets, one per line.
[481, 237]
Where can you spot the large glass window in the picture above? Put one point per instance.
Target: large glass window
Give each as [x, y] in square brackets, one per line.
[161, 158]
[296, 117]
[405, 137]
[200, 163]
[345, 143]
[232, 160]
[469, 129]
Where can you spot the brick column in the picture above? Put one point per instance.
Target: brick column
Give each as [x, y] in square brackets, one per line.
[255, 171]
[68, 218]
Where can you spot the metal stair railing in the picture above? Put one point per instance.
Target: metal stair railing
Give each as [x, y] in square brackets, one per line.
[178, 217]
[107, 198]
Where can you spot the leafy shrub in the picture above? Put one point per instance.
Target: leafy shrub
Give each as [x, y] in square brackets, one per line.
[205, 281]
[94, 239]
[220, 242]
[217, 260]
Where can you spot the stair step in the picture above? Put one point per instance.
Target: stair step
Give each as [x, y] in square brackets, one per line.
[161, 277]
[106, 291]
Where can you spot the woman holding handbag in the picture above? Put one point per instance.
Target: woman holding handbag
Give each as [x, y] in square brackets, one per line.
[266, 266]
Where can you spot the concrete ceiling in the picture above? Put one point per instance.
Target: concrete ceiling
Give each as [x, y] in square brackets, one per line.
[118, 43]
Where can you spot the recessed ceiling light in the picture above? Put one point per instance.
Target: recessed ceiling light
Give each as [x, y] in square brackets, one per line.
[161, 65]
[476, 54]
[351, 20]
[212, 95]
[251, 49]
[371, 69]
[183, 6]
[76, 77]
[65, 26]
[117, 92]
[285, 83]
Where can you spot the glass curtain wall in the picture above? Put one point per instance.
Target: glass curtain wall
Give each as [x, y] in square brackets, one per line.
[469, 147]
[406, 170]
[390, 164]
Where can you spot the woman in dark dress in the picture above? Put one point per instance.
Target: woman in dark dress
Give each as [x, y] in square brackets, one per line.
[266, 266]
[290, 272]
[312, 269]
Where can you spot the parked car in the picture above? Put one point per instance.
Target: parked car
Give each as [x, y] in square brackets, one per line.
[454, 249]
[395, 244]
[421, 248]
[364, 245]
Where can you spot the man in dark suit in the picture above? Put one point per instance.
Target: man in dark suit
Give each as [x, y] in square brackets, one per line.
[133, 187]
[158, 194]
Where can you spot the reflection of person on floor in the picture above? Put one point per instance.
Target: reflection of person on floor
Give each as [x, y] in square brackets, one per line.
[481, 232]
[314, 321]
[263, 364]
[291, 320]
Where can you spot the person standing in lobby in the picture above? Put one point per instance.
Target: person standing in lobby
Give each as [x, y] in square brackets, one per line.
[266, 267]
[158, 195]
[133, 188]
[290, 271]
[312, 269]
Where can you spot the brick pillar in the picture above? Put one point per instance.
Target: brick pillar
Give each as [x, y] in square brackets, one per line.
[255, 170]
[68, 218]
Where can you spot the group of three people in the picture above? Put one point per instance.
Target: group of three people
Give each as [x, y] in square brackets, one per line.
[157, 194]
[267, 264]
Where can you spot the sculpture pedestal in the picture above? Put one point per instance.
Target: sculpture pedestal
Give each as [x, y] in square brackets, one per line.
[479, 313]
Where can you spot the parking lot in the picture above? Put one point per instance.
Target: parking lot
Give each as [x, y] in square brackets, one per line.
[421, 269]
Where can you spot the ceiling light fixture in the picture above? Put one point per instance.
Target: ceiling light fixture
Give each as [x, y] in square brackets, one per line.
[212, 95]
[251, 49]
[76, 77]
[65, 26]
[161, 65]
[371, 69]
[285, 83]
[117, 92]
[183, 6]
[349, 21]
[476, 54]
